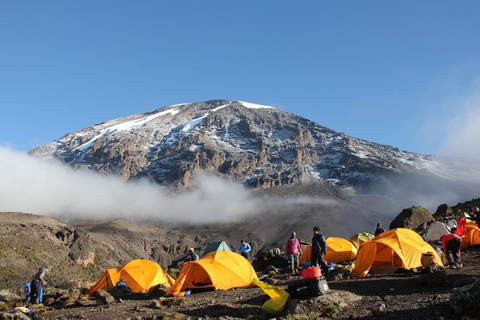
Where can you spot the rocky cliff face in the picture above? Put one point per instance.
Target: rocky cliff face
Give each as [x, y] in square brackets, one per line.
[259, 146]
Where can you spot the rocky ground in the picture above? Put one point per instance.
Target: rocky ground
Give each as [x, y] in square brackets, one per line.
[397, 296]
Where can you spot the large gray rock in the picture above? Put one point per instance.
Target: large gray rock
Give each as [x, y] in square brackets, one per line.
[103, 297]
[444, 211]
[412, 218]
[466, 300]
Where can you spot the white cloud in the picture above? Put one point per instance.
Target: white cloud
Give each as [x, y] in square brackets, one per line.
[462, 131]
[452, 123]
[50, 188]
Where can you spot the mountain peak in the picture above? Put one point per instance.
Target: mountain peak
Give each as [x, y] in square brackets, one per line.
[257, 145]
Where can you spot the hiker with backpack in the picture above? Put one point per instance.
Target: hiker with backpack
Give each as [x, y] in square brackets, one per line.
[451, 248]
[293, 250]
[36, 285]
[319, 249]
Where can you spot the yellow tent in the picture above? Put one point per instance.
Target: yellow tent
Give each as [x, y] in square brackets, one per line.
[140, 275]
[338, 250]
[397, 248]
[471, 236]
[218, 270]
[361, 238]
[306, 255]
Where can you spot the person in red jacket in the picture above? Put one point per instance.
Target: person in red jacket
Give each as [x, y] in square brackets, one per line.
[293, 251]
[451, 247]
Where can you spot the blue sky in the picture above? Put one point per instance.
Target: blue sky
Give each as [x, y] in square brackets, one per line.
[404, 73]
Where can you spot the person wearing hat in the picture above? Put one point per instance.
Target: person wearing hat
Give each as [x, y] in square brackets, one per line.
[36, 285]
[191, 256]
[379, 229]
[319, 249]
[293, 250]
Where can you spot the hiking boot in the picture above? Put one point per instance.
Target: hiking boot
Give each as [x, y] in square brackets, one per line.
[457, 265]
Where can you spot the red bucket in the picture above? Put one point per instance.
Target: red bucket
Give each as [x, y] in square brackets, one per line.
[312, 272]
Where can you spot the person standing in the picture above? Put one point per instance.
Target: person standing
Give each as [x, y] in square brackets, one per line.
[319, 249]
[379, 229]
[293, 251]
[244, 249]
[451, 247]
[36, 285]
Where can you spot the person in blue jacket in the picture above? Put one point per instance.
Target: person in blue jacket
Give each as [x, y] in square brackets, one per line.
[244, 249]
[191, 256]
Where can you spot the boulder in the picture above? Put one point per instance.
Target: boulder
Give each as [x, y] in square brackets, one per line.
[412, 218]
[103, 297]
[444, 211]
[466, 300]
[270, 257]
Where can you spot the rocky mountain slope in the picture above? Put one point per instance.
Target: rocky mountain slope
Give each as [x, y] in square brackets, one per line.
[259, 146]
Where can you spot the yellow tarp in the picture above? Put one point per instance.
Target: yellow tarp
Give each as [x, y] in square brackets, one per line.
[220, 270]
[140, 275]
[278, 297]
[338, 250]
[400, 248]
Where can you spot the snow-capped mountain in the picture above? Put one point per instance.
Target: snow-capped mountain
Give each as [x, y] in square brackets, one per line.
[257, 145]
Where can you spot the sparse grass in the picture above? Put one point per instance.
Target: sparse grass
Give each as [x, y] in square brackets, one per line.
[173, 272]
[331, 310]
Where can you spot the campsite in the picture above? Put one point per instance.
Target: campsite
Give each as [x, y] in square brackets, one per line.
[386, 281]
[398, 296]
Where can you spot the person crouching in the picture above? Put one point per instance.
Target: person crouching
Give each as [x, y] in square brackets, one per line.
[451, 247]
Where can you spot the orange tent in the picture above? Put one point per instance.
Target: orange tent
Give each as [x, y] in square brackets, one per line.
[471, 236]
[306, 255]
[140, 275]
[218, 270]
[397, 248]
[338, 250]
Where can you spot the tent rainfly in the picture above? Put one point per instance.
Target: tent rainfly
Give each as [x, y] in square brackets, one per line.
[140, 275]
[338, 250]
[397, 248]
[216, 246]
[471, 236]
[219, 270]
[436, 231]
